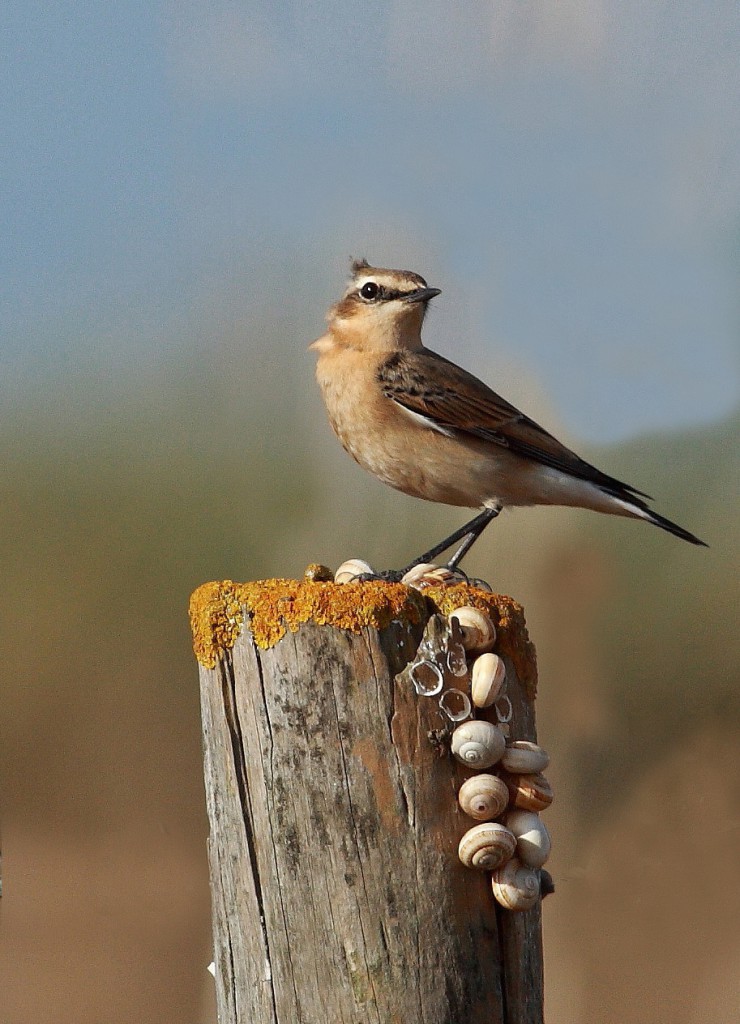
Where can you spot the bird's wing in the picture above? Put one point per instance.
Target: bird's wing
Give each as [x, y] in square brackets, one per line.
[456, 402]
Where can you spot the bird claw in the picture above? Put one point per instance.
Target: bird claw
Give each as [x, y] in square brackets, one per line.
[398, 575]
[385, 576]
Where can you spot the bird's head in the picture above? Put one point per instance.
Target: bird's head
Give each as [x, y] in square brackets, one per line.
[381, 309]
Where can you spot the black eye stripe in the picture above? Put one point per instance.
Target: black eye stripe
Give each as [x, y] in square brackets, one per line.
[388, 294]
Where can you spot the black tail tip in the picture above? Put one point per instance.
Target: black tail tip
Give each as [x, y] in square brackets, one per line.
[676, 530]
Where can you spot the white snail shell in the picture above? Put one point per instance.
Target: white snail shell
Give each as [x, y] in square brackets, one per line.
[487, 679]
[532, 837]
[427, 574]
[443, 574]
[417, 572]
[523, 757]
[349, 571]
[478, 744]
[515, 886]
[529, 792]
[483, 797]
[486, 846]
[478, 632]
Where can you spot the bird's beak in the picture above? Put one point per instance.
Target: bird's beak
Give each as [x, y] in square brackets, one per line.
[421, 295]
[322, 344]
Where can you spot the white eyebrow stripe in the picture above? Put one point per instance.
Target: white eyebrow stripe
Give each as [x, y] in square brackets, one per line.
[424, 421]
[391, 284]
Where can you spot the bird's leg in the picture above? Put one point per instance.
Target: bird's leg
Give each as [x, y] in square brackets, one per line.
[474, 533]
[469, 534]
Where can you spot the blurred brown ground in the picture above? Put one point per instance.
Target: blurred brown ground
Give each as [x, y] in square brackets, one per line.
[112, 519]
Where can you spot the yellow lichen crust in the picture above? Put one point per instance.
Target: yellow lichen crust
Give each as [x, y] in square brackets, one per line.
[512, 637]
[216, 619]
[275, 606]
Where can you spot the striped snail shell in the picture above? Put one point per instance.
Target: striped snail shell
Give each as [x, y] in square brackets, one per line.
[417, 573]
[426, 574]
[529, 792]
[441, 574]
[478, 744]
[523, 757]
[515, 886]
[486, 846]
[483, 797]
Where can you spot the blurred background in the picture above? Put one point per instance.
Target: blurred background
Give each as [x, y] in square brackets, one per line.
[183, 185]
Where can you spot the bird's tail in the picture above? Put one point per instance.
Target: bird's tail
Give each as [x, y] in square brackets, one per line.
[630, 504]
[674, 528]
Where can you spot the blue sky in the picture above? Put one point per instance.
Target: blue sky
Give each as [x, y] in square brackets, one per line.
[567, 172]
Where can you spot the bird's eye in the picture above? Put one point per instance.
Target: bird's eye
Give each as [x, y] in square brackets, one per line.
[369, 290]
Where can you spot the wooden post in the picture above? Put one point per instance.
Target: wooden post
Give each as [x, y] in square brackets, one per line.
[338, 896]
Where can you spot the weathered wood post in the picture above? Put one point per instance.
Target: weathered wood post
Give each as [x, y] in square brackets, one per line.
[338, 895]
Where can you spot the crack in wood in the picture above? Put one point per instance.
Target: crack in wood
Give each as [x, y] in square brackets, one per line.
[237, 748]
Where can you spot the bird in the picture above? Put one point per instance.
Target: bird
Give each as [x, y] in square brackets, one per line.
[425, 426]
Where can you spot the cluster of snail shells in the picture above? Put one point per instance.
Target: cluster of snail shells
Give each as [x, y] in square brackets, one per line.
[515, 847]
[510, 839]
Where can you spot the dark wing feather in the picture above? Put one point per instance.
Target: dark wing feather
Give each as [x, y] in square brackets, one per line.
[432, 386]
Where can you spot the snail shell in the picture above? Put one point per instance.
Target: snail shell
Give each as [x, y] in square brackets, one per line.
[426, 574]
[478, 744]
[417, 573]
[478, 632]
[532, 838]
[349, 571]
[486, 846]
[529, 792]
[443, 574]
[483, 797]
[318, 573]
[515, 886]
[487, 679]
[524, 758]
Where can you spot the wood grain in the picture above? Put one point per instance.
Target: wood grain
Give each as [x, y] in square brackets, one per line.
[337, 894]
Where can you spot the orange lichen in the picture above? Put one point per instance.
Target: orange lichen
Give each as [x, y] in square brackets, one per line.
[216, 619]
[275, 606]
[272, 607]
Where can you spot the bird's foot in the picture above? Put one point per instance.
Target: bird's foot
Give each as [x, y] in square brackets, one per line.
[427, 575]
[385, 575]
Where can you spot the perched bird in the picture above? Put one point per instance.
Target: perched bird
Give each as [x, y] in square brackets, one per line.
[429, 428]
